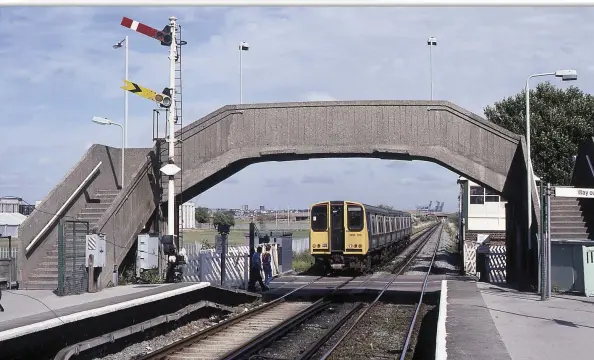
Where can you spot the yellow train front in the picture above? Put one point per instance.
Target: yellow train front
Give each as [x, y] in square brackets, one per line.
[351, 235]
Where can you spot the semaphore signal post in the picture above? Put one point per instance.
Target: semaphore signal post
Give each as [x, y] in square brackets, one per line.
[167, 37]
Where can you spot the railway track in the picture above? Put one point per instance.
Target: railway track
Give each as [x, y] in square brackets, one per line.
[244, 336]
[246, 333]
[260, 350]
[398, 270]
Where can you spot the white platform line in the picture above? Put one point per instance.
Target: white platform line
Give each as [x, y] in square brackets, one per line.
[440, 340]
[39, 326]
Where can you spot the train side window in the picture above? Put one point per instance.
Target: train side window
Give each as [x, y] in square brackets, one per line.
[355, 217]
[319, 218]
[380, 224]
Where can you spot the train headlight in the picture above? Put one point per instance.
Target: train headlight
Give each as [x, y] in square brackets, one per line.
[360, 246]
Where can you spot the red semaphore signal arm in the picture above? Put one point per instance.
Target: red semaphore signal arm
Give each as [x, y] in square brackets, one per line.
[144, 29]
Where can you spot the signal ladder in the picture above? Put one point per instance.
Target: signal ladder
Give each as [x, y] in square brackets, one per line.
[163, 147]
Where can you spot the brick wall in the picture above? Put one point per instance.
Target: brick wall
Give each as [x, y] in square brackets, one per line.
[495, 237]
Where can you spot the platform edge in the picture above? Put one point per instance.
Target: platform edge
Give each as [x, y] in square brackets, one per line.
[81, 315]
[440, 339]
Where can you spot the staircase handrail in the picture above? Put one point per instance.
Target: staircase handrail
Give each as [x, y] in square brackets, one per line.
[66, 204]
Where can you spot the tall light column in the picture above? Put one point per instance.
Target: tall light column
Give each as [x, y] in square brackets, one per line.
[431, 42]
[242, 47]
[118, 45]
[565, 75]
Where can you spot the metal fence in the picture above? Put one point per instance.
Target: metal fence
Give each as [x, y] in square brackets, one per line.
[72, 272]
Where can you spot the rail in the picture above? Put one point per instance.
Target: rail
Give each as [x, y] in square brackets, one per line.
[63, 207]
[400, 270]
[416, 313]
[171, 348]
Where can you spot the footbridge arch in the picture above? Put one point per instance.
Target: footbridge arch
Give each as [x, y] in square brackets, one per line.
[235, 136]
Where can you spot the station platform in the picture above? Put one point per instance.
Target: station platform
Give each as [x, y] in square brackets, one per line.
[43, 318]
[485, 321]
[405, 287]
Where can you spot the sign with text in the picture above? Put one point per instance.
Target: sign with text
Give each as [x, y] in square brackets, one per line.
[573, 192]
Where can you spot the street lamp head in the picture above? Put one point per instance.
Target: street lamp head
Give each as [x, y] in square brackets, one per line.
[101, 121]
[244, 46]
[566, 75]
[119, 44]
[432, 41]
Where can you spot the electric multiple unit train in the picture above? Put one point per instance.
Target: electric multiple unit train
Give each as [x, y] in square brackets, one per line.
[348, 234]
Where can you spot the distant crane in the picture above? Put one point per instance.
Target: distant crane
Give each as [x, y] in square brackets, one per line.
[428, 209]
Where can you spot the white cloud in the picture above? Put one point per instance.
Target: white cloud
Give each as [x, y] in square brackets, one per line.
[60, 70]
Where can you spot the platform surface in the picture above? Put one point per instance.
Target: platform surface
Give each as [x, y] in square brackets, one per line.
[559, 328]
[375, 282]
[470, 333]
[30, 307]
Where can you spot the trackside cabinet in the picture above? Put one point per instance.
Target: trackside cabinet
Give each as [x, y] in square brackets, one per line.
[147, 256]
[95, 247]
[572, 266]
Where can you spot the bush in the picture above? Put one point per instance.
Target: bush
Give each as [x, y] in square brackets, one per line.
[302, 261]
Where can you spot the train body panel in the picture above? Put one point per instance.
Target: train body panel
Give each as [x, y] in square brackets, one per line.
[348, 234]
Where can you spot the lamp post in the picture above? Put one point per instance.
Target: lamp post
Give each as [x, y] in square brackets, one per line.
[242, 47]
[117, 46]
[104, 121]
[565, 75]
[431, 42]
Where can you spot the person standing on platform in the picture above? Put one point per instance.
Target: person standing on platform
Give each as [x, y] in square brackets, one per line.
[255, 272]
[267, 265]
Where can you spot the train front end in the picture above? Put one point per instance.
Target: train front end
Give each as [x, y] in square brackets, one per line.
[338, 234]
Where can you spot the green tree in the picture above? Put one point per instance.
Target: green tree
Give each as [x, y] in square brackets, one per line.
[559, 121]
[202, 215]
[223, 218]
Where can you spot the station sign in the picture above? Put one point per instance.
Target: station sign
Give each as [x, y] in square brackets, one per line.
[571, 192]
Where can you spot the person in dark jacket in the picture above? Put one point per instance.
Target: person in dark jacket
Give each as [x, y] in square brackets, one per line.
[255, 272]
[1, 308]
[267, 265]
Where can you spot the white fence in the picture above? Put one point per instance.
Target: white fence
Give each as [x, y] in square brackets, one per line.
[205, 265]
[300, 245]
[496, 261]
[4, 252]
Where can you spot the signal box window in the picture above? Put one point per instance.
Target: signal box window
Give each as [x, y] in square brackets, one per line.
[319, 218]
[354, 218]
[477, 195]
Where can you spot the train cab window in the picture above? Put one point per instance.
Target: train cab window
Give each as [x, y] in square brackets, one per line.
[355, 217]
[319, 218]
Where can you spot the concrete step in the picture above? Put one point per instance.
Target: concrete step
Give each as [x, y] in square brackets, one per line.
[567, 224]
[88, 210]
[572, 230]
[557, 217]
[98, 206]
[88, 216]
[46, 271]
[565, 207]
[565, 212]
[103, 197]
[41, 285]
[106, 192]
[563, 200]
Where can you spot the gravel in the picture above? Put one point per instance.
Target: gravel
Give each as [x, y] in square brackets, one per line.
[300, 338]
[446, 260]
[379, 335]
[142, 348]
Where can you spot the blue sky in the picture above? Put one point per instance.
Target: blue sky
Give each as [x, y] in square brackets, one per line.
[59, 70]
